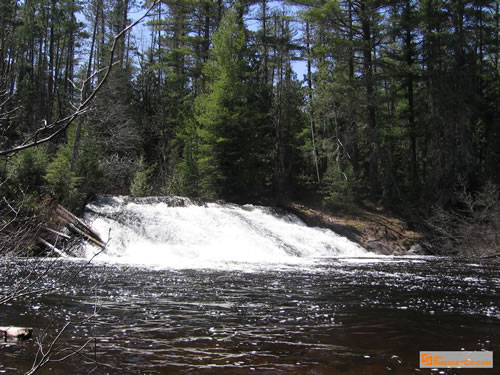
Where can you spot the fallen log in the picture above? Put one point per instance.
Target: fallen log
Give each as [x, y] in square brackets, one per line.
[60, 234]
[78, 226]
[53, 248]
[97, 242]
[21, 333]
[55, 233]
[77, 222]
[490, 256]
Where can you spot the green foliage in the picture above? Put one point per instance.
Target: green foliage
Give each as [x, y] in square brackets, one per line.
[27, 168]
[89, 167]
[188, 167]
[338, 187]
[72, 187]
[113, 135]
[64, 182]
[22, 181]
[403, 96]
[141, 185]
[231, 133]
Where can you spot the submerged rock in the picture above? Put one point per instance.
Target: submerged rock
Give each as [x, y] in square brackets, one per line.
[417, 249]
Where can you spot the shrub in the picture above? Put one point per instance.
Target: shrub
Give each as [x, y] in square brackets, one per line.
[27, 168]
[472, 226]
[338, 186]
[64, 183]
[140, 186]
[72, 187]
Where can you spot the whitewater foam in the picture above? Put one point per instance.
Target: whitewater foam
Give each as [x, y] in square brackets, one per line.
[175, 232]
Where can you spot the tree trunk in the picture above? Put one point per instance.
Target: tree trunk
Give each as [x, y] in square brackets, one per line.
[370, 102]
[310, 96]
[86, 90]
[410, 96]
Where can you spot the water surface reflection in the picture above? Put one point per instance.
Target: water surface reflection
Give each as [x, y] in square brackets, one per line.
[340, 316]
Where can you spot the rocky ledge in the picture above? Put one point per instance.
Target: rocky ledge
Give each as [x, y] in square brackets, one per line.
[372, 229]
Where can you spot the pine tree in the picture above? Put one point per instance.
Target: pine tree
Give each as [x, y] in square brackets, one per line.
[232, 160]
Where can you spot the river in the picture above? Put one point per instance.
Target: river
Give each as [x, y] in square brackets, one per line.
[346, 313]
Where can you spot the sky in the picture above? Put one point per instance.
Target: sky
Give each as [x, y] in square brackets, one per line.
[141, 33]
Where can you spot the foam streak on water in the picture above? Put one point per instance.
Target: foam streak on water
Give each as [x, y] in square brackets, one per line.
[177, 233]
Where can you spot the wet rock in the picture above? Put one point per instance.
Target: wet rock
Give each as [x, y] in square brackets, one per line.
[416, 249]
[378, 247]
[314, 218]
[382, 247]
[377, 232]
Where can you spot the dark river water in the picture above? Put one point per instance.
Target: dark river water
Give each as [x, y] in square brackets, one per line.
[338, 316]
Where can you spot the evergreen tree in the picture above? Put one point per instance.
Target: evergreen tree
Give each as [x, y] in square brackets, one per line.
[70, 186]
[233, 160]
[399, 100]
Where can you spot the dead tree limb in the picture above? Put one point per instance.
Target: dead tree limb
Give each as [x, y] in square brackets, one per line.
[20, 333]
[58, 349]
[62, 124]
[27, 288]
[53, 248]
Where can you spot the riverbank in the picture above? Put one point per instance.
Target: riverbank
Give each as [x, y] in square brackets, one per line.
[374, 229]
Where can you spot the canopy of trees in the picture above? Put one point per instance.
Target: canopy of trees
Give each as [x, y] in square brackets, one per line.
[399, 99]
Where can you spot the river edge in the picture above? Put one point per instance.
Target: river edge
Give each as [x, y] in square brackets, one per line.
[375, 230]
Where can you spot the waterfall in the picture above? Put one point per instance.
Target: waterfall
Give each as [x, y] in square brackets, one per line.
[177, 232]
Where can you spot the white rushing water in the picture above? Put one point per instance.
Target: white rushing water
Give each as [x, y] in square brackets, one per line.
[175, 232]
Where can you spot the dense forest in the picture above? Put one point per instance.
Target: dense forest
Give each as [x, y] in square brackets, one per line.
[391, 101]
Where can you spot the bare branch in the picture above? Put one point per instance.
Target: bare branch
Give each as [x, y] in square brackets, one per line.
[63, 124]
[29, 290]
[471, 227]
[58, 350]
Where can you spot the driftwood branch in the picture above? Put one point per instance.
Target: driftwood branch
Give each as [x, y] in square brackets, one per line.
[53, 248]
[59, 234]
[45, 355]
[21, 333]
[18, 227]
